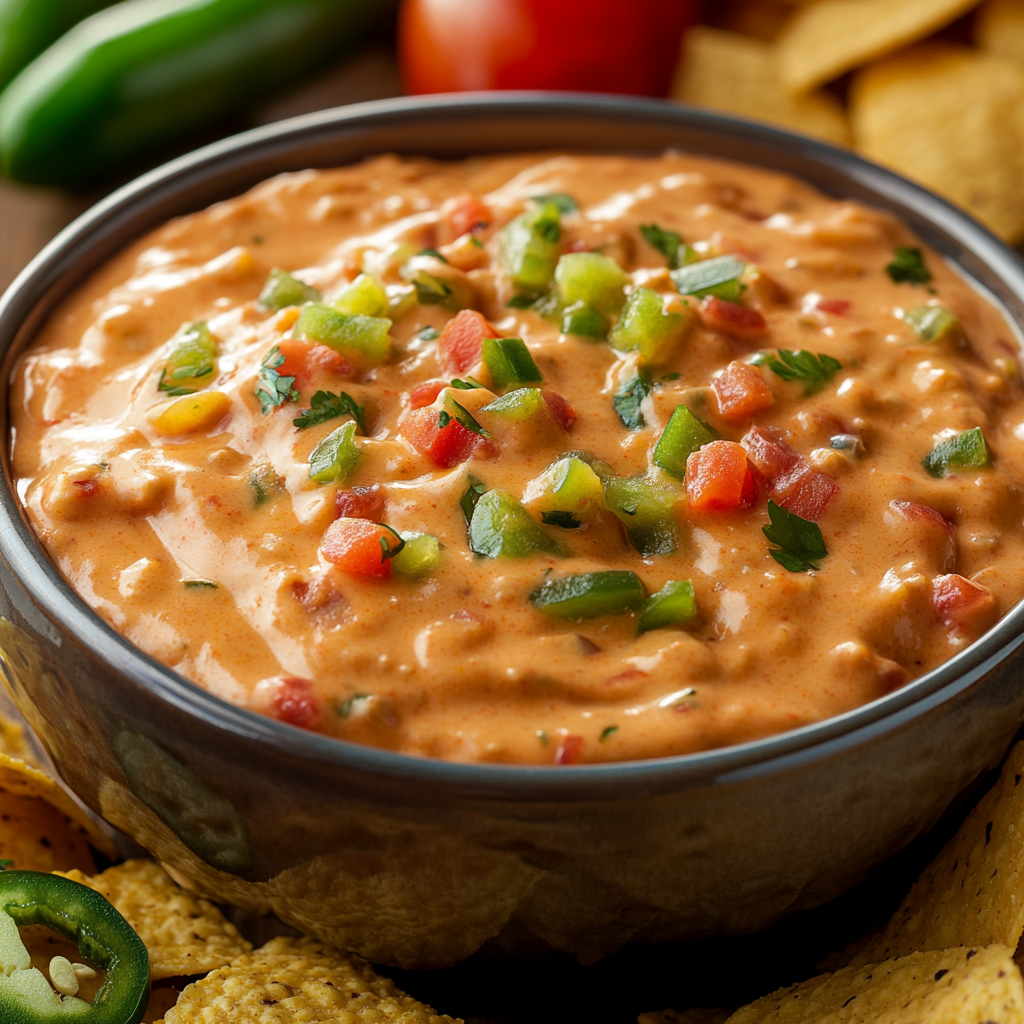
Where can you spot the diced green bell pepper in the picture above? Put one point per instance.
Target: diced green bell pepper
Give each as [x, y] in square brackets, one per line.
[646, 328]
[683, 435]
[933, 323]
[437, 283]
[965, 451]
[528, 248]
[362, 338]
[419, 557]
[523, 404]
[568, 486]
[365, 296]
[84, 916]
[336, 456]
[282, 290]
[673, 605]
[584, 321]
[265, 483]
[644, 507]
[502, 528]
[593, 279]
[590, 594]
[191, 360]
[509, 362]
[720, 276]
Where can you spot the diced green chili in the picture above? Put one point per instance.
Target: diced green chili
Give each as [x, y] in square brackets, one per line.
[509, 362]
[933, 323]
[673, 605]
[567, 487]
[584, 321]
[502, 528]
[593, 279]
[283, 290]
[475, 489]
[365, 296]
[719, 276]
[683, 435]
[265, 483]
[644, 506]
[908, 266]
[436, 283]
[191, 360]
[965, 451]
[647, 329]
[419, 557]
[670, 244]
[523, 404]
[364, 338]
[336, 456]
[590, 594]
[565, 202]
[528, 248]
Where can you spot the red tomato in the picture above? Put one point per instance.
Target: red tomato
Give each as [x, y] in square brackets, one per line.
[718, 477]
[569, 749]
[838, 307]
[741, 392]
[462, 340]
[731, 318]
[444, 446]
[360, 503]
[559, 408]
[354, 545]
[772, 457]
[580, 45]
[961, 602]
[462, 215]
[295, 702]
[791, 481]
[307, 360]
[426, 393]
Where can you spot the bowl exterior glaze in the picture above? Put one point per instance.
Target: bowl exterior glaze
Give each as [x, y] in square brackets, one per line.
[420, 863]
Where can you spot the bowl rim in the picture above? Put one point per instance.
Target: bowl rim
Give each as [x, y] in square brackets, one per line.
[51, 604]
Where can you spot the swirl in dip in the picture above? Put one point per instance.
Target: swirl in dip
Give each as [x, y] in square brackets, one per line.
[476, 461]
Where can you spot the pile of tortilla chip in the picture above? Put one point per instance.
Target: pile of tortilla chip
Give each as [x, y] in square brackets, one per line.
[933, 89]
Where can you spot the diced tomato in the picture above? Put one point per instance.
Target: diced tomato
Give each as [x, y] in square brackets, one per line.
[569, 749]
[462, 340]
[295, 702]
[306, 361]
[718, 477]
[839, 307]
[741, 392]
[354, 545]
[426, 393]
[463, 214]
[805, 492]
[926, 525]
[961, 602]
[559, 408]
[772, 456]
[87, 488]
[444, 446]
[731, 317]
[360, 503]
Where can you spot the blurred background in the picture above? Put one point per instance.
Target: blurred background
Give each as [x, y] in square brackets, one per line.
[93, 93]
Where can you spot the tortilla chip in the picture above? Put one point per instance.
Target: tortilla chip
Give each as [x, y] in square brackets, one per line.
[739, 75]
[973, 892]
[183, 933]
[999, 28]
[685, 1017]
[762, 19]
[12, 740]
[825, 40]
[953, 119]
[969, 985]
[36, 837]
[298, 980]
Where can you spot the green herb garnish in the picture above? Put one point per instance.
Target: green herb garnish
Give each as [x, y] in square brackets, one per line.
[608, 732]
[800, 542]
[325, 405]
[434, 253]
[199, 584]
[628, 399]
[965, 451]
[719, 276]
[541, 735]
[271, 388]
[477, 488]
[344, 709]
[469, 384]
[462, 416]
[566, 520]
[813, 371]
[666, 242]
[908, 266]
[562, 200]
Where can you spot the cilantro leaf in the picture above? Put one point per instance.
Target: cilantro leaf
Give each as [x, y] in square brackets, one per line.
[469, 384]
[800, 540]
[564, 201]
[434, 253]
[271, 388]
[628, 398]
[477, 488]
[199, 584]
[566, 520]
[608, 732]
[325, 405]
[814, 371]
[666, 242]
[908, 266]
[462, 416]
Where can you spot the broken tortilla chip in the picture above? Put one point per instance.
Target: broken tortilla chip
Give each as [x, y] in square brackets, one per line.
[183, 933]
[298, 980]
[825, 40]
[35, 836]
[969, 985]
[738, 75]
[999, 28]
[12, 740]
[953, 119]
[973, 892]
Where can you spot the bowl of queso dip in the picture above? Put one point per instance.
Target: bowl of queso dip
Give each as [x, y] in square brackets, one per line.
[506, 528]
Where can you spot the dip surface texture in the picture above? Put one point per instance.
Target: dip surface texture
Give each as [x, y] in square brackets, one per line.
[389, 560]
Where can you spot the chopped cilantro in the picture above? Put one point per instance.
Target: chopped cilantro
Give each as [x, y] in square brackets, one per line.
[541, 735]
[566, 520]
[325, 405]
[344, 709]
[908, 266]
[813, 371]
[965, 451]
[718, 276]
[265, 483]
[271, 388]
[469, 384]
[666, 242]
[434, 253]
[477, 488]
[461, 415]
[628, 399]
[199, 584]
[608, 732]
[562, 200]
[800, 543]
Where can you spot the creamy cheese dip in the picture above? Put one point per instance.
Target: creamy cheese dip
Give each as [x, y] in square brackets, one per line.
[403, 581]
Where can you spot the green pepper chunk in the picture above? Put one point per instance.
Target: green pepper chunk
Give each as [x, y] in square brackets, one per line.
[523, 404]
[965, 451]
[436, 283]
[336, 456]
[647, 329]
[673, 605]
[420, 555]
[528, 248]
[365, 296]
[568, 486]
[683, 435]
[590, 594]
[584, 321]
[933, 323]
[85, 917]
[364, 338]
[644, 506]
[283, 290]
[502, 528]
[191, 360]
[510, 362]
[719, 276]
[593, 279]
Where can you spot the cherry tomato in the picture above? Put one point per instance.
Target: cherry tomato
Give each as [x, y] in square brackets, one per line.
[580, 45]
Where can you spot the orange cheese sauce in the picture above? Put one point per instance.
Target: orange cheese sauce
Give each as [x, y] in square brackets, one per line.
[458, 664]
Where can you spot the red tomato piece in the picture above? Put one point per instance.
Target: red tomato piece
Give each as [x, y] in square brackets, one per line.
[731, 318]
[354, 545]
[444, 446]
[569, 749]
[559, 408]
[718, 477]
[295, 702]
[741, 392]
[360, 503]
[462, 215]
[960, 602]
[805, 492]
[462, 340]
[926, 525]
[839, 307]
[426, 393]
[307, 361]
[770, 455]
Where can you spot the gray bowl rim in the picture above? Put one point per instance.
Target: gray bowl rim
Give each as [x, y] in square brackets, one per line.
[622, 780]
